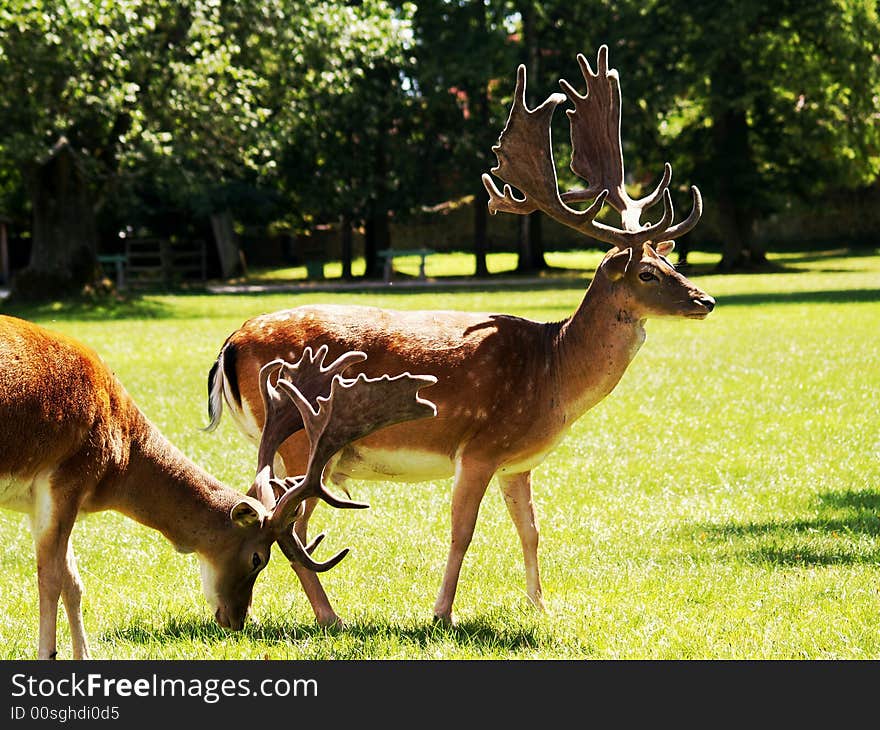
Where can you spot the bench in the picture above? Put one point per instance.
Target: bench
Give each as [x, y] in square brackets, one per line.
[119, 262]
[389, 254]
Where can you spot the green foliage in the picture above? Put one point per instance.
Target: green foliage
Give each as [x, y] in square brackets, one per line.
[463, 62]
[806, 77]
[300, 112]
[343, 118]
[138, 87]
[763, 105]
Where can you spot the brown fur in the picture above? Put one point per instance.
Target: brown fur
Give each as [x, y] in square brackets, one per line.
[72, 440]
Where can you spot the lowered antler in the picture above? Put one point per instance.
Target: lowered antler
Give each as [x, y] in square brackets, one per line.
[334, 412]
[312, 379]
[525, 161]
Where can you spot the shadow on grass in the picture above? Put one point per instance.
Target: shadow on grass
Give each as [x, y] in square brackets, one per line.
[811, 257]
[144, 307]
[130, 307]
[830, 296]
[480, 634]
[842, 533]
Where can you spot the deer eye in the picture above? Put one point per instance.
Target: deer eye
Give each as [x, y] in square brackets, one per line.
[648, 276]
[257, 561]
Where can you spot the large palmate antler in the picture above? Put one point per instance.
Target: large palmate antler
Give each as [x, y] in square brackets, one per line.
[312, 379]
[335, 412]
[525, 161]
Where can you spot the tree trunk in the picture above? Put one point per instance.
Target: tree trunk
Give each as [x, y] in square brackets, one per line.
[481, 211]
[536, 242]
[734, 168]
[522, 244]
[531, 249]
[345, 247]
[734, 233]
[481, 196]
[64, 249]
[530, 244]
[231, 257]
[377, 236]
[377, 231]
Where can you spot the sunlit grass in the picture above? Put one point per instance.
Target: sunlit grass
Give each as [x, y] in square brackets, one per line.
[722, 502]
[456, 263]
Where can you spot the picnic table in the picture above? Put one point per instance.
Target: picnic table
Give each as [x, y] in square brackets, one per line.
[389, 254]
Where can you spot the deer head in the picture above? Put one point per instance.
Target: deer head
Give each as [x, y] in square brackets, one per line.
[525, 161]
[648, 285]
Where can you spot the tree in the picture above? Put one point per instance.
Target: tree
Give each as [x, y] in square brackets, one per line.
[134, 87]
[462, 51]
[64, 221]
[343, 129]
[758, 104]
[762, 103]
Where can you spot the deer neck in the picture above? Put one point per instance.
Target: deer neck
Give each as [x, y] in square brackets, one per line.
[162, 489]
[596, 345]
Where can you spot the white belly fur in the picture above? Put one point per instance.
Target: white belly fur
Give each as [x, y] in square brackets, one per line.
[527, 462]
[401, 465]
[244, 418]
[16, 493]
[404, 465]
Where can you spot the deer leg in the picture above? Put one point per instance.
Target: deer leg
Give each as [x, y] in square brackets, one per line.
[517, 490]
[51, 532]
[324, 613]
[471, 480]
[292, 458]
[71, 595]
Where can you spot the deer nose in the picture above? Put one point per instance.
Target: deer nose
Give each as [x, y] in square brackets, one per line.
[228, 620]
[221, 618]
[707, 301]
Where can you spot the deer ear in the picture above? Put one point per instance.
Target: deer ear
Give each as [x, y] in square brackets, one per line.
[244, 514]
[615, 265]
[664, 248]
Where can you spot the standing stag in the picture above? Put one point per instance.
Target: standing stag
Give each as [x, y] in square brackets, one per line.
[72, 440]
[508, 389]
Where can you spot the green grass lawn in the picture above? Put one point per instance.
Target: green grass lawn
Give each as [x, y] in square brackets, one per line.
[437, 265]
[722, 502]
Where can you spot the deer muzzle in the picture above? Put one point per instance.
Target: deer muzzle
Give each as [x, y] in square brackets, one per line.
[703, 304]
[229, 621]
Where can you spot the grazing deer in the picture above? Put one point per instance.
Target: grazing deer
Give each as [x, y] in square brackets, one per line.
[72, 440]
[508, 389]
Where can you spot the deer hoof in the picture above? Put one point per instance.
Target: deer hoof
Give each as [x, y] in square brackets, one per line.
[444, 620]
[331, 622]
